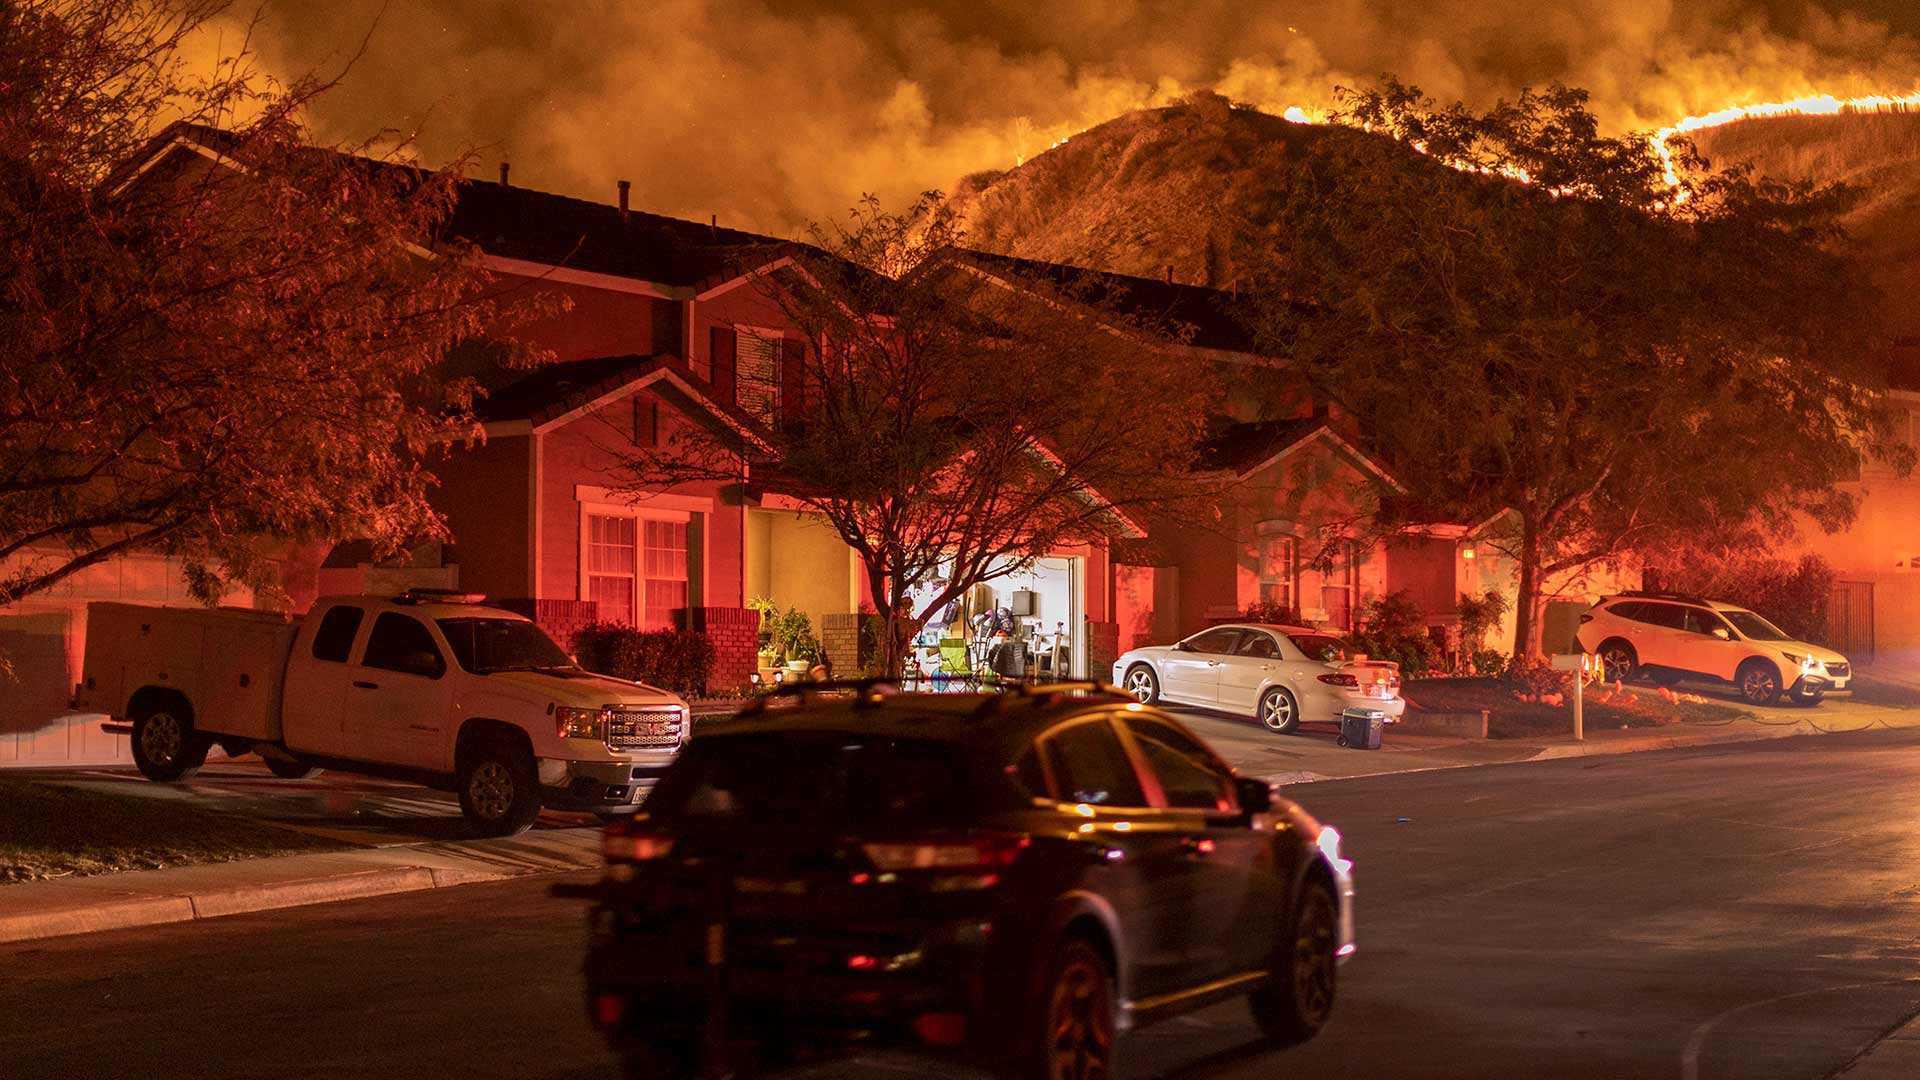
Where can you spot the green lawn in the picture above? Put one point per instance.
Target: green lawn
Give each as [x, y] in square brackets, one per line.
[51, 831]
[1511, 718]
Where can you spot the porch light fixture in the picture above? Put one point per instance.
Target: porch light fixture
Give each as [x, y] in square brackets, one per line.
[1467, 553]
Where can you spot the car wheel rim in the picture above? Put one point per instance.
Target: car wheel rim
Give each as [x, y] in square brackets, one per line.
[1079, 1024]
[1313, 961]
[160, 739]
[491, 790]
[1757, 684]
[1277, 713]
[1140, 685]
[1615, 663]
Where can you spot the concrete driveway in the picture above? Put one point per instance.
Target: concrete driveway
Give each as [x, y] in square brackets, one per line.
[358, 810]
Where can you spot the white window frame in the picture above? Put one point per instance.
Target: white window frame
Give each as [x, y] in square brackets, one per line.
[1352, 557]
[639, 516]
[1289, 580]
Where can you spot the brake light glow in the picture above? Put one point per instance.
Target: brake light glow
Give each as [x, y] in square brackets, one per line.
[634, 848]
[1339, 678]
[974, 854]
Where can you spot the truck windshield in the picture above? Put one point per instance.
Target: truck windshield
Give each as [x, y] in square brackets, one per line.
[487, 645]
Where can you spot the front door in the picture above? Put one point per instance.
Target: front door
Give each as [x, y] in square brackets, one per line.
[1705, 652]
[1191, 672]
[1142, 864]
[397, 706]
[1233, 891]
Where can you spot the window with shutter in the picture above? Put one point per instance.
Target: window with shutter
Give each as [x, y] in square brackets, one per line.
[760, 365]
[723, 362]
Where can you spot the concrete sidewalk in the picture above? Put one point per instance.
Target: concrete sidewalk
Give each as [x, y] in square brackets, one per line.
[1311, 756]
[143, 897]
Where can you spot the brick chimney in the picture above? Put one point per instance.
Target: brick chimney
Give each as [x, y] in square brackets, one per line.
[504, 167]
[626, 186]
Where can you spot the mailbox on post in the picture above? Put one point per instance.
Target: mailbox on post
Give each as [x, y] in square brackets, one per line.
[1580, 664]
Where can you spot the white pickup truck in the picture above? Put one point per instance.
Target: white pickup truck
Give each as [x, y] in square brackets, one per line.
[429, 686]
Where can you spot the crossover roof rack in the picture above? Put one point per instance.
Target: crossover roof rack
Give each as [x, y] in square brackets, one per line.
[1650, 594]
[866, 693]
[1046, 692]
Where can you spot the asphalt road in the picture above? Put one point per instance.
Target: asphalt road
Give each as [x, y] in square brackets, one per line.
[1750, 911]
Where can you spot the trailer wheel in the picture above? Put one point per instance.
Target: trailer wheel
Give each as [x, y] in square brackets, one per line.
[499, 790]
[165, 746]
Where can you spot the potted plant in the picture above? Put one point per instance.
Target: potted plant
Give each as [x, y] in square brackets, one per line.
[794, 640]
[769, 618]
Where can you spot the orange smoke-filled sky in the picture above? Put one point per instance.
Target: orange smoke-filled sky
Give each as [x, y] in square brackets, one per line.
[774, 113]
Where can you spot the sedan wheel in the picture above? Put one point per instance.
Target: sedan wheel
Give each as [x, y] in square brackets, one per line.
[1279, 713]
[1142, 686]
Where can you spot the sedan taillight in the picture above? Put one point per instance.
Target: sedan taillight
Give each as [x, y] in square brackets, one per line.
[1339, 678]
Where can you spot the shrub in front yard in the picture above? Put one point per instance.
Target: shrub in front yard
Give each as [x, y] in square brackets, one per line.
[676, 660]
[1391, 627]
[1792, 595]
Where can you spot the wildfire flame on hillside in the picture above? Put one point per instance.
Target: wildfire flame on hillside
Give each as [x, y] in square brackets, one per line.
[1815, 105]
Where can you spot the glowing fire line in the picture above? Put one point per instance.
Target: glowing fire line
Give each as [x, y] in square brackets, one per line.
[1815, 105]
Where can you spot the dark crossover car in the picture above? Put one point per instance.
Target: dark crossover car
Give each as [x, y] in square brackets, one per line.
[1014, 880]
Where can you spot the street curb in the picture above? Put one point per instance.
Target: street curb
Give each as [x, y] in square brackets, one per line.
[1895, 1057]
[1668, 742]
[89, 905]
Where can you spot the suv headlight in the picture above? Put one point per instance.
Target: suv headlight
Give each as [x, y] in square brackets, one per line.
[574, 723]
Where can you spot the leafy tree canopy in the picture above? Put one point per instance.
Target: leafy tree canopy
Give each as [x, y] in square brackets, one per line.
[208, 351]
[1526, 316]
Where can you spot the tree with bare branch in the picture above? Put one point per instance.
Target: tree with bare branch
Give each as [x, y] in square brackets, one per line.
[235, 342]
[951, 419]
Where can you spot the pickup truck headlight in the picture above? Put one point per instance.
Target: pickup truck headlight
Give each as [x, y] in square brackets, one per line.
[575, 723]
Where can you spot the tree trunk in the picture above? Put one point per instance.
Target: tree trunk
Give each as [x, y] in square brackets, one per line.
[1526, 613]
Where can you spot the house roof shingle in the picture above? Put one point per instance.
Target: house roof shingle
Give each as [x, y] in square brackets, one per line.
[1208, 314]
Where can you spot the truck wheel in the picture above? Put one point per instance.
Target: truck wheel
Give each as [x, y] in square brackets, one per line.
[499, 791]
[165, 746]
[290, 768]
[1298, 998]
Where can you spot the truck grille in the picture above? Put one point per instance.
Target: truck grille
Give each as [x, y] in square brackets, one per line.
[644, 729]
[1838, 671]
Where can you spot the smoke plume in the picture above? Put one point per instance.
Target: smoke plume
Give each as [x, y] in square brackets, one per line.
[772, 113]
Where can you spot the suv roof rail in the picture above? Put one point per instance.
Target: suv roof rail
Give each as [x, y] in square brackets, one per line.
[866, 692]
[423, 595]
[1655, 594]
[1048, 691]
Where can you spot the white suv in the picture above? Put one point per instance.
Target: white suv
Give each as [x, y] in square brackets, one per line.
[1672, 636]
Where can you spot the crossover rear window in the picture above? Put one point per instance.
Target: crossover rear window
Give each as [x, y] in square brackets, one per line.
[801, 778]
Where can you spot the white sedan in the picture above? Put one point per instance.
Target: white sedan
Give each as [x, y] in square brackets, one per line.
[1280, 675]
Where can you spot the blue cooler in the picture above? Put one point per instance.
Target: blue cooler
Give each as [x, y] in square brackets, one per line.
[1360, 728]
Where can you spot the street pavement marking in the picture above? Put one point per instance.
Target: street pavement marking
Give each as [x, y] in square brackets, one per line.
[1697, 1042]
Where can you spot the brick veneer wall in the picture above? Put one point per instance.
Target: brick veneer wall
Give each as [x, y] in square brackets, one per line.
[840, 640]
[561, 619]
[735, 633]
[1103, 648]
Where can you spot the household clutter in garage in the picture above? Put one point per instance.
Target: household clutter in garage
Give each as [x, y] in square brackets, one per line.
[1018, 626]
